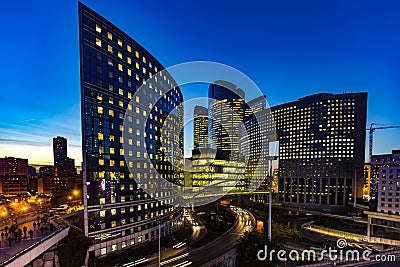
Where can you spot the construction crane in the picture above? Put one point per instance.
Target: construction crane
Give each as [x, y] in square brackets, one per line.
[371, 130]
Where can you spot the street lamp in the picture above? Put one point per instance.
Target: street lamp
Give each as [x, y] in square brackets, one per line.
[270, 158]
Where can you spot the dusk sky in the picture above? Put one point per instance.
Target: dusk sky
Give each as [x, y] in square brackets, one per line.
[290, 49]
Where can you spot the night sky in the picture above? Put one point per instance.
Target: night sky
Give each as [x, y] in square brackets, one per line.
[290, 49]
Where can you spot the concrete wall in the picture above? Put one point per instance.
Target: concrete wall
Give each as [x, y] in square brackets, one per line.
[36, 250]
[348, 235]
[228, 258]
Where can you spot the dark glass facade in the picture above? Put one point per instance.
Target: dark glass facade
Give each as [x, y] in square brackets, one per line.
[118, 213]
[200, 127]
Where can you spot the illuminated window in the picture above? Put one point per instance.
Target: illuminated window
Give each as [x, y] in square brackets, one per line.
[128, 47]
[129, 60]
[144, 60]
[109, 35]
[121, 104]
[98, 28]
[102, 213]
[100, 136]
[101, 162]
[129, 72]
[120, 55]
[109, 48]
[120, 67]
[112, 150]
[121, 91]
[144, 70]
[129, 95]
[113, 223]
[110, 62]
[98, 42]
[137, 99]
[122, 163]
[111, 113]
[103, 251]
[119, 42]
[113, 211]
[137, 54]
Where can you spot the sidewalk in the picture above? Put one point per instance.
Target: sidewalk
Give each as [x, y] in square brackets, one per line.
[7, 251]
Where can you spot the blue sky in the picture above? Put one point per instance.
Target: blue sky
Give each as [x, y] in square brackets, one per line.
[289, 48]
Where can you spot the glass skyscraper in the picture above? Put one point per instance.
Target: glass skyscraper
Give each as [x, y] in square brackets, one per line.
[118, 214]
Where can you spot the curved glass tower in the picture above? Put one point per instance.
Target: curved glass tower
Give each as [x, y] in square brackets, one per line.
[118, 214]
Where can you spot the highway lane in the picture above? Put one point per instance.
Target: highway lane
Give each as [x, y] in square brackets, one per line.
[245, 222]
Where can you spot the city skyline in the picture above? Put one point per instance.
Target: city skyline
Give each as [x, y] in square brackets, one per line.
[332, 48]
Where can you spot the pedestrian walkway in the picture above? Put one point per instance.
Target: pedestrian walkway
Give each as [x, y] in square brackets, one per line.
[25, 235]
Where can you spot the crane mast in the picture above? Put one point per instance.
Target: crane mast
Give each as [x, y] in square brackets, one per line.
[371, 136]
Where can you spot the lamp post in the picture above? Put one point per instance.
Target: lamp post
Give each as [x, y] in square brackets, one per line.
[159, 243]
[271, 158]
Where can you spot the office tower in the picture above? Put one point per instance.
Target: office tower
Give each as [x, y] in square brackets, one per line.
[118, 213]
[59, 154]
[13, 175]
[321, 147]
[63, 165]
[252, 137]
[378, 162]
[200, 127]
[226, 113]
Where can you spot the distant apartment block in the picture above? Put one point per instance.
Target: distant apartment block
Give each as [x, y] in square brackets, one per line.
[14, 173]
[378, 162]
[63, 165]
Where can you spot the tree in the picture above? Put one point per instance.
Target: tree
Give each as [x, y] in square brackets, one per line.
[73, 248]
[249, 245]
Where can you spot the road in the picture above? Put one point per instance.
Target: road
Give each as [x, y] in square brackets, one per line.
[245, 222]
[186, 255]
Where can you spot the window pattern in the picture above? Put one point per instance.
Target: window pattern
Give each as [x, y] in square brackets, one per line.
[321, 142]
[115, 205]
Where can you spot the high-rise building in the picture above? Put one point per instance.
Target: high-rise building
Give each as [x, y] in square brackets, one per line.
[63, 165]
[59, 150]
[14, 174]
[226, 113]
[321, 149]
[251, 140]
[200, 137]
[118, 213]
